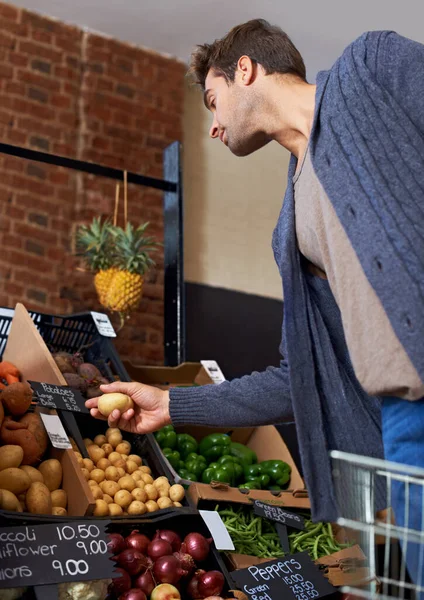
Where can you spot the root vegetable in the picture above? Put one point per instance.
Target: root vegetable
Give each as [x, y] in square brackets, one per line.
[111, 473]
[97, 475]
[92, 483]
[165, 591]
[14, 480]
[115, 439]
[152, 506]
[169, 536]
[114, 456]
[115, 510]
[59, 511]
[116, 543]
[17, 398]
[176, 492]
[109, 402]
[103, 464]
[121, 464]
[108, 499]
[177, 504]
[9, 501]
[164, 502]
[121, 472]
[111, 430]
[127, 483]
[124, 448]
[88, 442]
[97, 493]
[99, 440]
[10, 456]
[137, 476]
[137, 508]
[86, 473]
[38, 499]
[151, 491]
[136, 459]
[123, 498]
[110, 487]
[139, 494]
[88, 371]
[107, 448]
[101, 509]
[146, 478]
[95, 453]
[59, 498]
[131, 466]
[137, 541]
[88, 464]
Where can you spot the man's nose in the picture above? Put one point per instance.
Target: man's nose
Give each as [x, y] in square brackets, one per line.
[214, 130]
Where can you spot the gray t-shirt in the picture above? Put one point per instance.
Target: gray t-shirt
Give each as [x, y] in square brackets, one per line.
[379, 360]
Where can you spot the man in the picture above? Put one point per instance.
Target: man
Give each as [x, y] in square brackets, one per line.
[349, 245]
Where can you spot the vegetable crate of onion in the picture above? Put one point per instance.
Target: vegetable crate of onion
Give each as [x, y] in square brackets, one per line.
[171, 557]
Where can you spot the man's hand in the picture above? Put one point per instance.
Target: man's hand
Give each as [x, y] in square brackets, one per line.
[150, 412]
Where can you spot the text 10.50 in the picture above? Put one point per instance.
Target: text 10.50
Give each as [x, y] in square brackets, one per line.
[66, 532]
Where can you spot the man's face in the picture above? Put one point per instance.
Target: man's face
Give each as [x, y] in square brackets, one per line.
[235, 108]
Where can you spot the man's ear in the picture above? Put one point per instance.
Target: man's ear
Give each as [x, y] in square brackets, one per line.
[246, 70]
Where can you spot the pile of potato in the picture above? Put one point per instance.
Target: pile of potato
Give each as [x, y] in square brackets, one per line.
[120, 483]
[26, 488]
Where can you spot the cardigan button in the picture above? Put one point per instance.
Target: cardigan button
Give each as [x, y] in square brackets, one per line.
[378, 263]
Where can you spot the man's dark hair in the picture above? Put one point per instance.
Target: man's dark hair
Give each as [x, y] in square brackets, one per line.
[263, 43]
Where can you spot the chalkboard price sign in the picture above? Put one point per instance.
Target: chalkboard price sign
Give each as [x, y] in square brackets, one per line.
[59, 396]
[278, 514]
[54, 553]
[294, 576]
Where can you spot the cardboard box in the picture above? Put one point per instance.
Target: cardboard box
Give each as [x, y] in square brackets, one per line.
[26, 349]
[186, 374]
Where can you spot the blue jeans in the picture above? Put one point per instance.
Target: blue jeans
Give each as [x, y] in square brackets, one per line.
[403, 438]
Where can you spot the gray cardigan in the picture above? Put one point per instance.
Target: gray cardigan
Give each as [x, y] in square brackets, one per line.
[367, 148]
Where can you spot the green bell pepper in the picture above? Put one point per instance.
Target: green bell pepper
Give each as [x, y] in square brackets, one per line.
[222, 473]
[233, 460]
[173, 457]
[215, 445]
[245, 455]
[195, 463]
[186, 444]
[253, 471]
[187, 475]
[278, 471]
[166, 437]
[254, 484]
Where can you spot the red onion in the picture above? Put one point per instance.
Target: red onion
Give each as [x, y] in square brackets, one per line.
[167, 570]
[186, 560]
[158, 548]
[197, 546]
[133, 594]
[211, 583]
[145, 582]
[137, 541]
[169, 536]
[165, 591]
[121, 584]
[193, 585]
[132, 561]
[116, 543]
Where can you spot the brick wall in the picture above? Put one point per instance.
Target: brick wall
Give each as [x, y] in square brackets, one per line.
[89, 97]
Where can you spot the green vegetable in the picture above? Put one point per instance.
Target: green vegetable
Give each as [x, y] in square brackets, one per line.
[245, 455]
[186, 444]
[252, 484]
[215, 445]
[238, 469]
[184, 474]
[173, 457]
[258, 537]
[195, 463]
[225, 473]
[278, 471]
[166, 437]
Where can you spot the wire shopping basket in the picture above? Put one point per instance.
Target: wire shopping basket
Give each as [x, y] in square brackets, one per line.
[367, 490]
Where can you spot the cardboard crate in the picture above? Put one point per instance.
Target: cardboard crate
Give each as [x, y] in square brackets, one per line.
[186, 374]
[26, 349]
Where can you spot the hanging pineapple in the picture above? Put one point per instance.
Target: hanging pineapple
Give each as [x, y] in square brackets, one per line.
[132, 249]
[95, 245]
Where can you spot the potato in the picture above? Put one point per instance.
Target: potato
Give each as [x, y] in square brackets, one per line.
[101, 509]
[137, 476]
[108, 499]
[127, 483]
[115, 510]
[33, 473]
[92, 483]
[86, 474]
[99, 440]
[124, 457]
[177, 504]
[97, 493]
[107, 448]
[80, 461]
[109, 402]
[110, 487]
[164, 502]
[151, 506]
[115, 439]
[123, 498]
[78, 454]
[121, 472]
[59, 498]
[15, 480]
[38, 499]
[111, 430]
[176, 492]
[131, 466]
[8, 501]
[137, 508]
[95, 453]
[87, 442]
[136, 459]
[88, 464]
[145, 469]
[113, 456]
[151, 491]
[139, 494]
[10, 456]
[59, 511]
[97, 475]
[51, 470]
[146, 478]
[103, 464]
[161, 480]
[111, 473]
[123, 448]
[120, 464]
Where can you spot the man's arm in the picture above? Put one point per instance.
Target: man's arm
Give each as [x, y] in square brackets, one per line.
[256, 399]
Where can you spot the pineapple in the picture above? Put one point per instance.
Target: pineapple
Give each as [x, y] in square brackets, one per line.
[95, 244]
[132, 249]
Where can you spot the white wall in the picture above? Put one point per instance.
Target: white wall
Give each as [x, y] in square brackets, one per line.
[231, 207]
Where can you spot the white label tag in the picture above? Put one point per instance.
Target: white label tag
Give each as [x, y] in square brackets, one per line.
[57, 434]
[103, 324]
[213, 370]
[219, 532]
